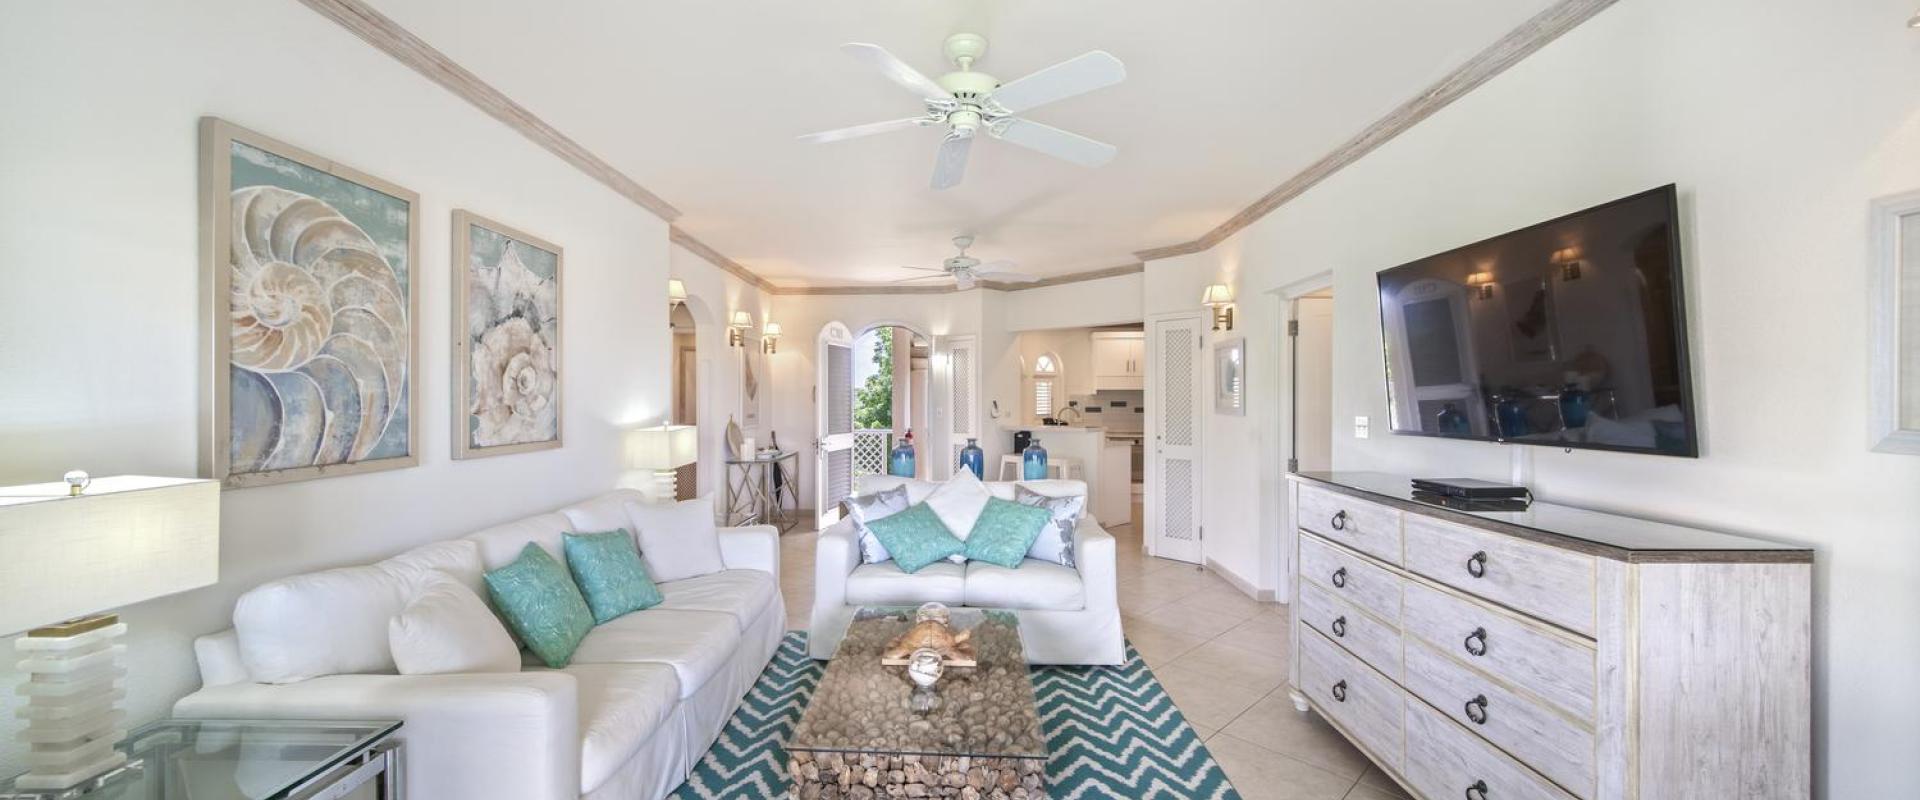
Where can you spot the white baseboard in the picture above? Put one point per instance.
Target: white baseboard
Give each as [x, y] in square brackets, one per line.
[1245, 586]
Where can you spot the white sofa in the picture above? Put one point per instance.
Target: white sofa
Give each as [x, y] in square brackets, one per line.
[644, 698]
[1067, 615]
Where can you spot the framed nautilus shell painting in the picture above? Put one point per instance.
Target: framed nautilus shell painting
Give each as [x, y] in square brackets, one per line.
[506, 335]
[311, 300]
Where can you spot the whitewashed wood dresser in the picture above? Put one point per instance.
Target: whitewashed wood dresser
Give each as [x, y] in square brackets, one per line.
[1552, 652]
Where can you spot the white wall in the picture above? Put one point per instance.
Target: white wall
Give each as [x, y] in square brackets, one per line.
[99, 327]
[713, 295]
[1778, 121]
[1107, 301]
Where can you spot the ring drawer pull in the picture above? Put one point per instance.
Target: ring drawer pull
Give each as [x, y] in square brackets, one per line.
[1476, 642]
[1478, 791]
[1340, 627]
[1477, 709]
[1340, 578]
[1339, 521]
[1477, 564]
[1340, 691]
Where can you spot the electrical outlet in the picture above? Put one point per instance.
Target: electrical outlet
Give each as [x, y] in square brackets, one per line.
[1360, 425]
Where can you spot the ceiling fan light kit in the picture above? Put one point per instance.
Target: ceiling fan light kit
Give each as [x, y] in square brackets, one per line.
[968, 103]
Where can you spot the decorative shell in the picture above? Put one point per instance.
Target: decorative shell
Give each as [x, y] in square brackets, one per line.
[935, 636]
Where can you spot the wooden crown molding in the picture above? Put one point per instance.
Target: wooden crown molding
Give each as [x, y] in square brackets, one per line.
[1511, 49]
[712, 256]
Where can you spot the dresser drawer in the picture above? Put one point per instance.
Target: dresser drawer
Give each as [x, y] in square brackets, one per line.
[1547, 741]
[1370, 528]
[1351, 578]
[1445, 762]
[1362, 701]
[1552, 584]
[1553, 666]
[1360, 633]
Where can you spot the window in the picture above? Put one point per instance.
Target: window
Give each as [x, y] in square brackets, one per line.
[1046, 370]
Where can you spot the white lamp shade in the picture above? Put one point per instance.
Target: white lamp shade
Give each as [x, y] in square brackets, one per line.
[663, 447]
[128, 538]
[772, 331]
[676, 290]
[1218, 294]
[742, 320]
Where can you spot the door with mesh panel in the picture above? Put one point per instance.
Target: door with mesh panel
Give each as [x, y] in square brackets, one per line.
[833, 411]
[1174, 419]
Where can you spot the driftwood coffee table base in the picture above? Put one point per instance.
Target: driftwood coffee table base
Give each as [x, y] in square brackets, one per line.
[866, 776]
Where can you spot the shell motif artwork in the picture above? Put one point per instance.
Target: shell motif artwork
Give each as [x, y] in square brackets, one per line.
[318, 334]
[509, 296]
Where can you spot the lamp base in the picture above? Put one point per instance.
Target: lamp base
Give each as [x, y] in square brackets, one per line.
[661, 487]
[74, 688]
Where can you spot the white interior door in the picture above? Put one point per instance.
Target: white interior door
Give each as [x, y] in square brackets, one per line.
[833, 428]
[1174, 417]
[1313, 383]
[963, 401]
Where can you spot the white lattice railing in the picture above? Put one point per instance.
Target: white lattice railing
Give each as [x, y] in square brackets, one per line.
[870, 451]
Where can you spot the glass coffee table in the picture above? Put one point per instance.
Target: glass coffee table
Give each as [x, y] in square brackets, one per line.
[184, 759]
[860, 729]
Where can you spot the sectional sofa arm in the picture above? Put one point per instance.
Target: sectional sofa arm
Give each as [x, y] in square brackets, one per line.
[835, 555]
[1094, 556]
[752, 547]
[501, 735]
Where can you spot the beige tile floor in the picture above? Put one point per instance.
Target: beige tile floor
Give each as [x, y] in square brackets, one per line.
[1223, 658]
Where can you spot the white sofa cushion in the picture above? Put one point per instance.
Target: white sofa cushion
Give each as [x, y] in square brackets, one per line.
[334, 622]
[447, 628]
[607, 512]
[740, 593]
[501, 544]
[696, 644]
[958, 504]
[917, 490]
[677, 540]
[886, 584]
[1036, 585]
[621, 706]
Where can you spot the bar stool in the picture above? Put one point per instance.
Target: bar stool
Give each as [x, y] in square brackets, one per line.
[1060, 467]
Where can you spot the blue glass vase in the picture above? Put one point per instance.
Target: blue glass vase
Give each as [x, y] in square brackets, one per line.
[973, 458]
[900, 461]
[1513, 417]
[1575, 404]
[1033, 462]
[1453, 421]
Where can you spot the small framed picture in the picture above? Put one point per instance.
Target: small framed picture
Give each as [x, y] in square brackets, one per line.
[1230, 377]
[1894, 414]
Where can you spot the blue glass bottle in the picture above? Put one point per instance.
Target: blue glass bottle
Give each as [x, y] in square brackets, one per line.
[1512, 415]
[1453, 421]
[1033, 462]
[1575, 404]
[900, 462]
[973, 458]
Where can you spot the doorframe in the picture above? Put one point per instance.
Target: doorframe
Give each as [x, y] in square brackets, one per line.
[1281, 547]
[825, 516]
[1151, 497]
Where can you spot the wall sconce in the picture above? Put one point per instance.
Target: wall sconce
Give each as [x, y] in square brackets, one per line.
[770, 338]
[1914, 21]
[676, 293]
[737, 329]
[1219, 297]
[1484, 280]
[1569, 260]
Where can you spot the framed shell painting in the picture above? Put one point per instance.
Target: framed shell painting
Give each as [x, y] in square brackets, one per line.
[311, 302]
[506, 333]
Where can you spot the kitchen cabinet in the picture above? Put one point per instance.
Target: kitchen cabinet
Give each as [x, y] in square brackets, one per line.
[1119, 360]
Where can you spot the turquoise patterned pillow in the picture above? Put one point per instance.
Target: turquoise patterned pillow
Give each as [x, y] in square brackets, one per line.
[1005, 531]
[916, 537]
[608, 569]
[539, 600]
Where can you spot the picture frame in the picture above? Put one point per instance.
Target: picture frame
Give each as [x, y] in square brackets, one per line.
[507, 320]
[1894, 348]
[1230, 377]
[753, 383]
[316, 375]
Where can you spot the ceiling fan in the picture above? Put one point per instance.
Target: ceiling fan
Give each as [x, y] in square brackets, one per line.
[966, 103]
[967, 271]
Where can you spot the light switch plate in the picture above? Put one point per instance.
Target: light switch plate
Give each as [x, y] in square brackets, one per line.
[1360, 425]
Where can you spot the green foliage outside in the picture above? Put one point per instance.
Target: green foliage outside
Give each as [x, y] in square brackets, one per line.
[873, 403]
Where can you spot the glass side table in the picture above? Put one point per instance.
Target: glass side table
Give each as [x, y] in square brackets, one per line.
[185, 759]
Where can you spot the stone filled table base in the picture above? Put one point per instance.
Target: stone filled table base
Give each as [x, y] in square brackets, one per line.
[870, 776]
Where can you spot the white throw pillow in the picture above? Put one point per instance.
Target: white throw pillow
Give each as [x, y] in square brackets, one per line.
[866, 508]
[447, 629]
[677, 540]
[958, 504]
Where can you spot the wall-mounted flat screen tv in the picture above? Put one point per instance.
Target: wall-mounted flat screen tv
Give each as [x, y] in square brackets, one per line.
[1569, 333]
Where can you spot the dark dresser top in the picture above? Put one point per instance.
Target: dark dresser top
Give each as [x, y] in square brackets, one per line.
[1592, 532]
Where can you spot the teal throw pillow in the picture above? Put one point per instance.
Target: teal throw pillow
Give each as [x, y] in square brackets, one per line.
[916, 537]
[1005, 531]
[611, 576]
[539, 600]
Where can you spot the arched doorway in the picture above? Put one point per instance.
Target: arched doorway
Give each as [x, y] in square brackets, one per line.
[686, 390]
[874, 389]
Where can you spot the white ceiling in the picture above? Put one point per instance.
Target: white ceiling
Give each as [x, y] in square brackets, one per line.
[700, 101]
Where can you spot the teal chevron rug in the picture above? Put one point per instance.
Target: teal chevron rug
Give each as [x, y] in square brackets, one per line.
[1112, 731]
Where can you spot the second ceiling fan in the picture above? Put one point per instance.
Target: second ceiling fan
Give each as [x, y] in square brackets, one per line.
[968, 103]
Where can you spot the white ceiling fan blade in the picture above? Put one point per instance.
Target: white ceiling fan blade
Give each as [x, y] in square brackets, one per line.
[950, 164]
[927, 269]
[1078, 75]
[868, 129]
[1002, 276]
[911, 79]
[919, 278]
[1055, 142]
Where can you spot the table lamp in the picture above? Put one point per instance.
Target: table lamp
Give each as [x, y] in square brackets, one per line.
[661, 450]
[67, 551]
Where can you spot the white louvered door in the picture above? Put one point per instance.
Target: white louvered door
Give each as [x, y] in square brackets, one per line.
[963, 399]
[833, 411]
[1174, 418]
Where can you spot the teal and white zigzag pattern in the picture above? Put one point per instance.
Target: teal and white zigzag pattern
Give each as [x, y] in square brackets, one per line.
[1112, 731]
